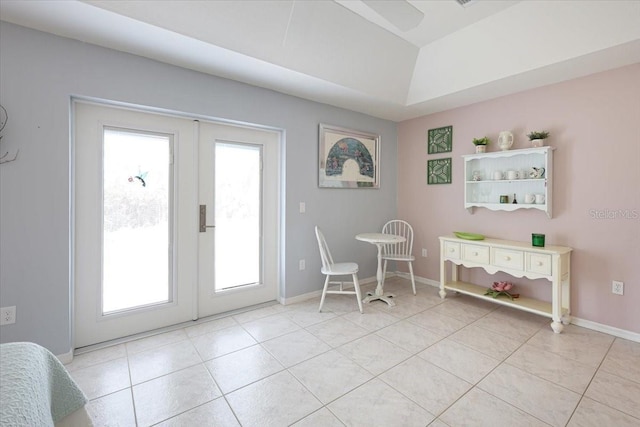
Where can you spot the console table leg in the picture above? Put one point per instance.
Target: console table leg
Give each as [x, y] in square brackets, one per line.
[557, 326]
[443, 275]
[443, 272]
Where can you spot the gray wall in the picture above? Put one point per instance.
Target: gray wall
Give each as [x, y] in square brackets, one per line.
[38, 75]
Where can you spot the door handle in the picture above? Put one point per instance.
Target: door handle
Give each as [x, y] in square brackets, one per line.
[203, 219]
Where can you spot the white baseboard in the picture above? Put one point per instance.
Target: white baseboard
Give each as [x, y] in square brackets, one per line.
[300, 298]
[318, 293]
[418, 279]
[616, 332]
[65, 358]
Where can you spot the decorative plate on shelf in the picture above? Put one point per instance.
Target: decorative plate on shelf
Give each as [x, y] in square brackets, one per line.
[468, 236]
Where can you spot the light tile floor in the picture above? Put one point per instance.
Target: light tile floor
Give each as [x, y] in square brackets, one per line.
[426, 361]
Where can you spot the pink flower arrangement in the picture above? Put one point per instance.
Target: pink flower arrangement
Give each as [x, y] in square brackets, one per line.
[501, 288]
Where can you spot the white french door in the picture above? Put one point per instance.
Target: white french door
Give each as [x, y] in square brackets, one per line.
[141, 261]
[238, 247]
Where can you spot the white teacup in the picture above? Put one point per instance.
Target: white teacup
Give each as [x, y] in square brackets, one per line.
[497, 175]
[529, 198]
[540, 199]
[513, 175]
[536, 173]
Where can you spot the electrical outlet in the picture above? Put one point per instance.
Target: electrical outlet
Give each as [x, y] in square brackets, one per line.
[424, 253]
[301, 265]
[8, 315]
[617, 287]
[303, 207]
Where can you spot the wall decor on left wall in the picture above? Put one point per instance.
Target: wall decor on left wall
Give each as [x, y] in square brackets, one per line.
[4, 118]
[348, 158]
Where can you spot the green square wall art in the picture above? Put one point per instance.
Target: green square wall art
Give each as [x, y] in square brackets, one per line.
[440, 140]
[439, 171]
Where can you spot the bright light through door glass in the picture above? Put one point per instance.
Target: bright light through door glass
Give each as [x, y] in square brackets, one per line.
[238, 179]
[136, 220]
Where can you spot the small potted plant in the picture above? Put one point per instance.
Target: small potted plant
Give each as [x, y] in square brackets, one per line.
[537, 138]
[481, 144]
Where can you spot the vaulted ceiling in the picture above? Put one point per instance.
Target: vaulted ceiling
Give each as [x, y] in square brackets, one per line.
[393, 59]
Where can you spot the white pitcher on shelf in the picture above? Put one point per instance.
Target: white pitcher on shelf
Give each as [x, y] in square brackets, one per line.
[505, 140]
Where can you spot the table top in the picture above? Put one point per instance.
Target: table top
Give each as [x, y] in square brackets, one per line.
[510, 244]
[380, 238]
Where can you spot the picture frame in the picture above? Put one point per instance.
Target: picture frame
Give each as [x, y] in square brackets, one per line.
[440, 140]
[439, 171]
[348, 158]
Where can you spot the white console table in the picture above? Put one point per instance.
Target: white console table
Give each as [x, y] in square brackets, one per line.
[518, 259]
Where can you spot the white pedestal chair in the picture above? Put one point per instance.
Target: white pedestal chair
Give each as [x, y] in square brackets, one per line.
[400, 251]
[330, 268]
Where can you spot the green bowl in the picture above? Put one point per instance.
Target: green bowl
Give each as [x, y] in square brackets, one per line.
[468, 236]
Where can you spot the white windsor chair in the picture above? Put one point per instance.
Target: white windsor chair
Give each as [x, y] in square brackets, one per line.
[399, 251]
[330, 268]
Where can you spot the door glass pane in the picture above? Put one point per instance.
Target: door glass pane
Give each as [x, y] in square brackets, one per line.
[136, 269]
[238, 183]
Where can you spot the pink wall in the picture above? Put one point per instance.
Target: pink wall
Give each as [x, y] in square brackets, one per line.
[595, 127]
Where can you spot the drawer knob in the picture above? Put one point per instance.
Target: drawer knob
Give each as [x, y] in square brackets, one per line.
[507, 258]
[451, 250]
[539, 263]
[475, 254]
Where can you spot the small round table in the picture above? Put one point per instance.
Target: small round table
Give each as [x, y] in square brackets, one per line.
[380, 239]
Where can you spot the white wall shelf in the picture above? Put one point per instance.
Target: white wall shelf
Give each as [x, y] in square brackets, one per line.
[486, 191]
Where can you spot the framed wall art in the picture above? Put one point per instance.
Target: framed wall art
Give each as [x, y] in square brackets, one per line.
[348, 158]
[439, 171]
[440, 140]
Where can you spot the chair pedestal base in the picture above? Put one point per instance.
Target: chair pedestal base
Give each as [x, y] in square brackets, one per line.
[388, 298]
